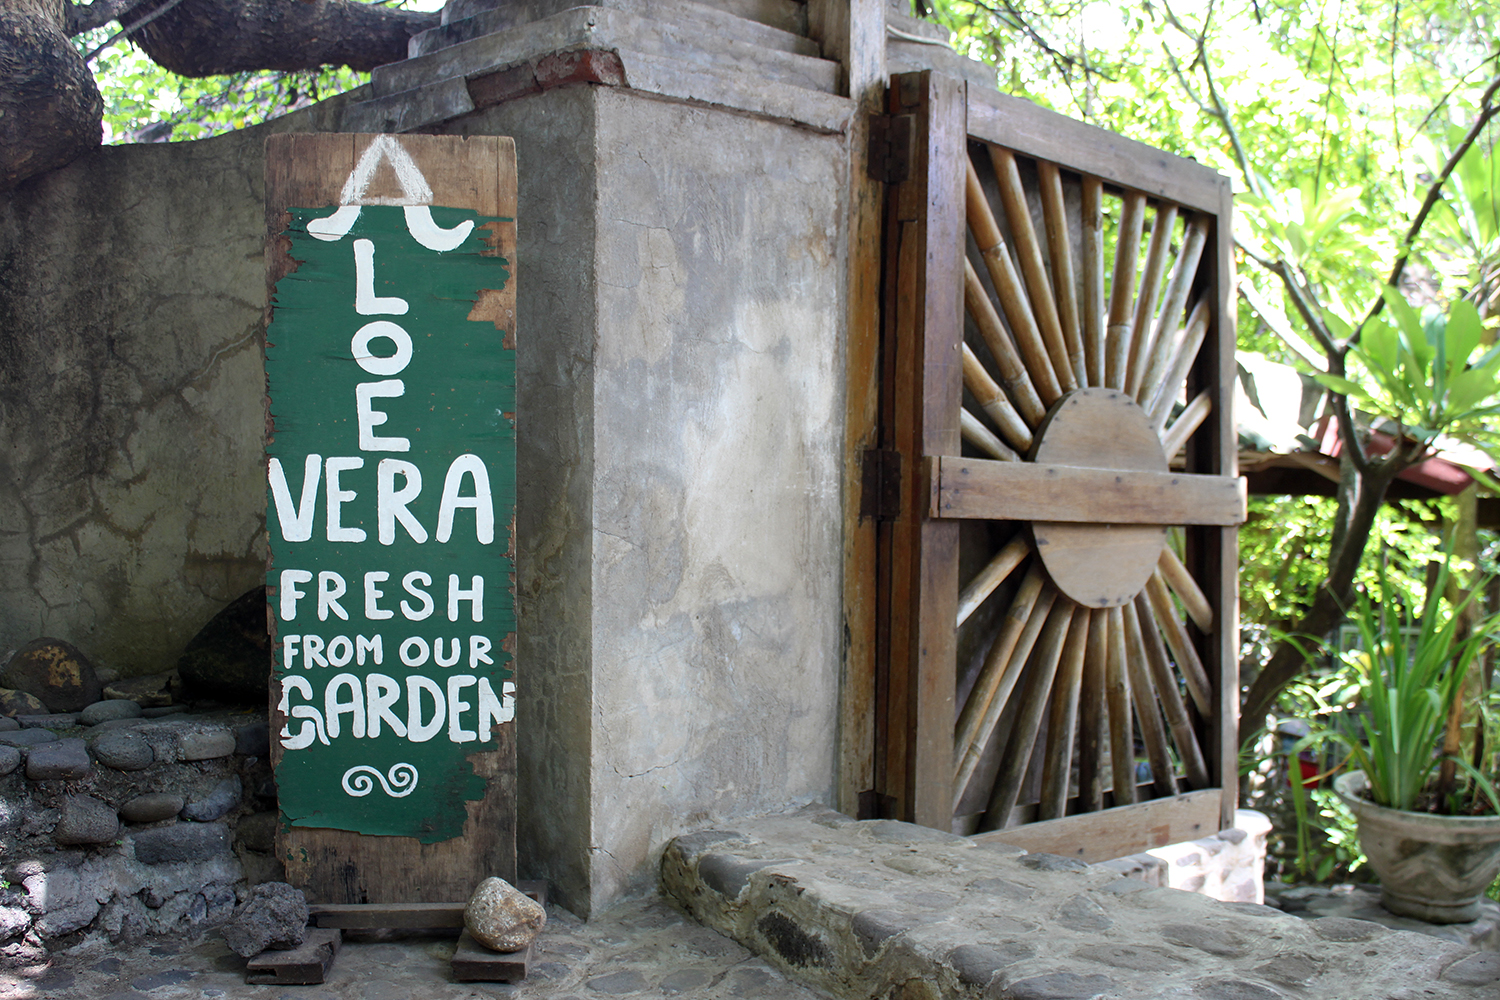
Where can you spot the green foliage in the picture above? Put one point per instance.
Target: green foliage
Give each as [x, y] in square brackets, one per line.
[1411, 670]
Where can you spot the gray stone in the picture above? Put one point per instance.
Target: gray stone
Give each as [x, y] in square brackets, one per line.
[181, 842]
[85, 820]
[1003, 888]
[501, 917]
[795, 944]
[13, 920]
[206, 744]
[1059, 986]
[1225, 988]
[109, 711]
[976, 964]
[153, 807]
[52, 720]
[275, 916]
[1345, 929]
[1209, 939]
[1138, 958]
[728, 874]
[63, 760]
[928, 900]
[890, 831]
[1083, 914]
[8, 725]
[257, 832]
[873, 928]
[10, 759]
[229, 659]
[27, 737]
[123, 750]
[1479, 969]
[162, 711]
[625, 981]
[253, 740]
[690, 845]
[223, 797]
[1290, 970]
[1053, 863]
[684, 980]
[156, 980]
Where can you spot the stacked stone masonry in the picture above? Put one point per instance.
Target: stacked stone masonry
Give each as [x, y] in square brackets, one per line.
[879, 909]
[120, 821]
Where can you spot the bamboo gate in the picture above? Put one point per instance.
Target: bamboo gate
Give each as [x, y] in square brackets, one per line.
[1056, 632]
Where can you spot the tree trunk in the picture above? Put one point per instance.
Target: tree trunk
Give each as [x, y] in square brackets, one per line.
[1360, 497]
[207, 37]
[49, 106]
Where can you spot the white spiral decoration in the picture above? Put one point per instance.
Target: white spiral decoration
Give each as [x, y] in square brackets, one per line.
[402, 780]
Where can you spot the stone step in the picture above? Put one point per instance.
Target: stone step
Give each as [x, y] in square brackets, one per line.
[912, 44]
[705, 17]
[603, 28]
[877, 909]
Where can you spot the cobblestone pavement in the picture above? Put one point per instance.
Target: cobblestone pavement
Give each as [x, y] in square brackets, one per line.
[642, 948]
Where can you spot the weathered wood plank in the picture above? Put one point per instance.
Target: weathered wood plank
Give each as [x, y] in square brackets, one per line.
[305, 965]
[1115, 833]
[474, 963]
[968, 487]
[1020, 125]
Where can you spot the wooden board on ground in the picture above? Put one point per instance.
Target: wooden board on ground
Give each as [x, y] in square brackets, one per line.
[459, 825]
[404, 916]
[1115, 833]
[307, 964]
[474, 963]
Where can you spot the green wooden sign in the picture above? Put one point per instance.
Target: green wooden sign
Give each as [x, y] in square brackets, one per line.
[391, 492]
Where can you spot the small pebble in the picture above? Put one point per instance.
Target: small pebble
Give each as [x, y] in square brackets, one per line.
[109, 710]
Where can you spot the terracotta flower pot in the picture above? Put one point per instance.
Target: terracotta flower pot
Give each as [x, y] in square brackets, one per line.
[1433, 868]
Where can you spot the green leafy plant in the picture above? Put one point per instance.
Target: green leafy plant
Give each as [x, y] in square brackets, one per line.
[1410, 675]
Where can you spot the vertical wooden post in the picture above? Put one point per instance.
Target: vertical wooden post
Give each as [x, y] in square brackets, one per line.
[923, 352]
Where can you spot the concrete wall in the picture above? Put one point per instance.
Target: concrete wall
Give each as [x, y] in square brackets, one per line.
[131, 469]
[680, 404]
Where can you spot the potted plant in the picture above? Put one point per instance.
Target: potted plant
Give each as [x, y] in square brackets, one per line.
[1429, 819]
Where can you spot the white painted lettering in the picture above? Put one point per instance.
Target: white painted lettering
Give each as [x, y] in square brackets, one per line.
[296, 523]
[456, 708]
[369, 419]
[289, 650]
[289, 592]
[330, 589]
[474, 595]
[312, 652]
[373, 611]
[409, 584]
[414, 651]
[382, 692]
[366, 302]
[437, 653]
[479, 647]
[340, 651]
[484, 510]
[371, 646]
[495, 711]
[337, 497]
[377, 364]
[353, 707]
[390, 503]
[417, 730]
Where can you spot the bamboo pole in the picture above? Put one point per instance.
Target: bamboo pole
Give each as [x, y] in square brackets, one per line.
[1013, 376]
[1061, 729]
[1122, 289]
[1029, 719]
[1189, 420]
[1147, 708]
[1171, 699]
[1157, 251]
[1185, 352]
[1117, 699]
[1091, 714]
[1194, 601]
[1061, 253]
[1029, 253]
[1181, 646]
[1174, 304]
[976, 433]
[1012, 296]
[986, 580]
[992, 679]
[1093, 279]
[992, 400]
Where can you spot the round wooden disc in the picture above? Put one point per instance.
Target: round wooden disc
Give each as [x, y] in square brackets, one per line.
[1098, 564]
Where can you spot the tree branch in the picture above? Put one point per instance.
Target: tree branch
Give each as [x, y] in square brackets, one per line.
[131, 28]
[79, 18]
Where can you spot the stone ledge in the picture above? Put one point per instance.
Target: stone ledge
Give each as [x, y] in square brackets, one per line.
[875, 908]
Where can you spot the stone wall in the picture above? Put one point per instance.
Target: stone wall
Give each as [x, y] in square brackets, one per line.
[120, 822]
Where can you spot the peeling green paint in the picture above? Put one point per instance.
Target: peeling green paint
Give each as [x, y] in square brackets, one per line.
[454, 397]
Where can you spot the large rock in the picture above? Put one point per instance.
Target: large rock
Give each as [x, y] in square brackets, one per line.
[230, 659]
[275, 916]
[56, 673]
[13, 703]
[86, 820]
[501, 917]
[150, 691]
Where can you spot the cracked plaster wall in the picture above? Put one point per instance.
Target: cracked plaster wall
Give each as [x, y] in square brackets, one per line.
[131, 483]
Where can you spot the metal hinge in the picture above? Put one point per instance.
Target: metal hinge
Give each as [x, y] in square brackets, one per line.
[892, 144]
[880, 487]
